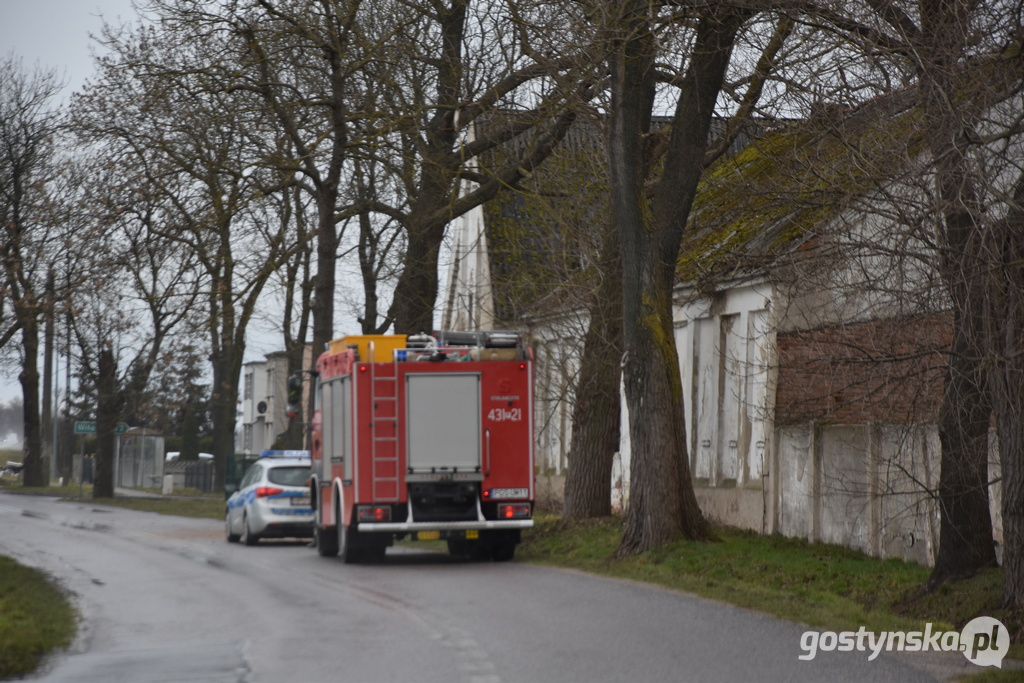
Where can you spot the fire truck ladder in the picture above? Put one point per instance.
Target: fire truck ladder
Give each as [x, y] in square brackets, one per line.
[384, 429]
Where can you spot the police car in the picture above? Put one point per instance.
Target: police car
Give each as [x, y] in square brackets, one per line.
[272, 500]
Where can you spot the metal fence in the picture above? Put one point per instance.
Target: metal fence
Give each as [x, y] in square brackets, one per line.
[199, 475]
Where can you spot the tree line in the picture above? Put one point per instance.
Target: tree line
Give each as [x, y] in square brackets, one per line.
[10, 418]
[227, 152]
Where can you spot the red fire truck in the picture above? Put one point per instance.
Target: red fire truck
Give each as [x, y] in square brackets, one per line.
[423, 437]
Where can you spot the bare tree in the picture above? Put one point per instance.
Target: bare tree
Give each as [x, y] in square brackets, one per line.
[1005, 319]
[29, 126]
[597, 405]
[457, 102]
[294, 284]
[595, 436]
[297, 59]
[651, 222]
[377, 103]
[955, 54]
[161, 105]
[554, 262]
[132, 287]
[961, 63]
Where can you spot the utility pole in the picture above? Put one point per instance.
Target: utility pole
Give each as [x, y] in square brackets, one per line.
[48, 423]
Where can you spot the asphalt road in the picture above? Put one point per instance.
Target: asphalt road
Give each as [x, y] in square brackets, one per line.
[167, 599]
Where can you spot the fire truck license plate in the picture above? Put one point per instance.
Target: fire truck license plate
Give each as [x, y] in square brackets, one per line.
[509, 493]
[300, 501]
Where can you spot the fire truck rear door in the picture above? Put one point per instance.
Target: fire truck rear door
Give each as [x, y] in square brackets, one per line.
[443, 426]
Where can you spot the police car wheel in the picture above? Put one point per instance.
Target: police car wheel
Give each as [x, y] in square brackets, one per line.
[248, 537]
[232, 538]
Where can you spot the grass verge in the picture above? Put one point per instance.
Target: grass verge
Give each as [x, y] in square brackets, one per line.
[185, 503]
[205, 508]
[36, 618]
[67, 491]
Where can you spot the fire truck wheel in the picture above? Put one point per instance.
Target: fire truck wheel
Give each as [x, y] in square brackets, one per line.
[248, 537]
[503, 551]
[460, 547]
[374, 553]
[346, 552]
[326, 542]
[350, 550]
[326, 539]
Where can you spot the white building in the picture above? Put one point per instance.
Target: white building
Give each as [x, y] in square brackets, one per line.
[264, 401]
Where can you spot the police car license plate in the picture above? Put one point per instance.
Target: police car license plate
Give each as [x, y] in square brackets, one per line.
[300, 501]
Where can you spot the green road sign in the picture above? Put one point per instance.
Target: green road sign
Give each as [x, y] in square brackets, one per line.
[89, 427]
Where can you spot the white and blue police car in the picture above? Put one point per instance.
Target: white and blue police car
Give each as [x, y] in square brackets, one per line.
[272, 500]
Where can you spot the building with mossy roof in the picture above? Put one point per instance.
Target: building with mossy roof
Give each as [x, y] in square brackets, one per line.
[809, 409]
[811, 328]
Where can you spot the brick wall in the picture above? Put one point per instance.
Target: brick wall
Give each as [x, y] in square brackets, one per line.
[885, 371]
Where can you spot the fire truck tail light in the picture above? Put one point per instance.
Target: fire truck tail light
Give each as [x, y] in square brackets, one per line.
[268, 491]
[374, 513]
[514, 511]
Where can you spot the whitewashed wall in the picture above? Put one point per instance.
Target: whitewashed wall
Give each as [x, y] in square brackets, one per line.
[557, 345]
[468, 300]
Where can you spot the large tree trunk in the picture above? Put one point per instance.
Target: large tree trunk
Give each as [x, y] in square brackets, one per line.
[416, 291]
[108, 412]
[1006, 381]
[965, 531]
[965, 527]
[595, 417]
[662, 504]
[32, 459]
[46, 426]
[326, 258]
[654, 511]
[227, 368]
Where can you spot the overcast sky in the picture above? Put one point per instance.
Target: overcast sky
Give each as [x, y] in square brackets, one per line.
[56, 33]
